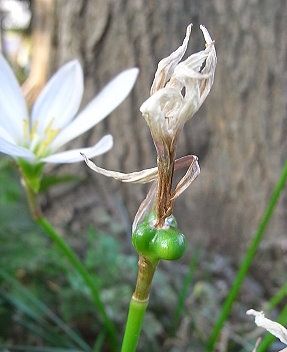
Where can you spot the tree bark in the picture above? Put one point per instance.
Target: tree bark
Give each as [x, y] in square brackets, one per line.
[42, 35]
[239, 134]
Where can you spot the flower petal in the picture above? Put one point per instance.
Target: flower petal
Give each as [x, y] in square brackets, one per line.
[274, 328]
[206, 35]
[15, 150]
[13, 110]
[161, 112]
[100, 107]
[145, 205]
[166, 66]
[143, 176]
[74, 156]
[5, 135]
[191, 174]
[209, 67]
[60, 99]
[196, 60]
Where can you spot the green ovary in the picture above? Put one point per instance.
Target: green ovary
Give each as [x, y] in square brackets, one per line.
[167, 243]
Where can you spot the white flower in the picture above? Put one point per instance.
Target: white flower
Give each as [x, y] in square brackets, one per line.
[53, 122]
[274, 328]
[179, 89]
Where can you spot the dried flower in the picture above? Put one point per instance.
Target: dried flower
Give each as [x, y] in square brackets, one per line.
[177, 92]
[53, 122]
[179, 89]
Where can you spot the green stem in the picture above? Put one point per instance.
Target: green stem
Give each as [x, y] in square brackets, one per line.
[136, 314]
[138, 304]
[82, 271]
[73, 259]
[248, 259]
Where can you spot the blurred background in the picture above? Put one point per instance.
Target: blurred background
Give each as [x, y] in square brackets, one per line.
[239, 135]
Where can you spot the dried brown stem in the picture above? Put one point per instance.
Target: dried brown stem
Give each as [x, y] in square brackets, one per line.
[165, 164]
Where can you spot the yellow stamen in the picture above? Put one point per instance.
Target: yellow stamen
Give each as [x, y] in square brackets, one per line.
[26, 130]
[50, 133]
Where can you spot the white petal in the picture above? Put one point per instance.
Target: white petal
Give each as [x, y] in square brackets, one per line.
[196, 60]
[143, 176]
[166, 66]
[206, 35]
[13, 110]
[15, 150]
[274, 328]
[74, 156]
[60, 100]
[5, 135]
[100, 107]
[165, 102]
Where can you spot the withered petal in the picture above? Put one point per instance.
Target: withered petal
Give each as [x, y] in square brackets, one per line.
[166, 66]
[191, 174]
[143, 176]
[145, 206]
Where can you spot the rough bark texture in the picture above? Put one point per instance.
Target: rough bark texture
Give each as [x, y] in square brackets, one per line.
[239, 134]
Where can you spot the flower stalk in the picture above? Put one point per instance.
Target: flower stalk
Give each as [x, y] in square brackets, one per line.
[71, 256]
[138, 303]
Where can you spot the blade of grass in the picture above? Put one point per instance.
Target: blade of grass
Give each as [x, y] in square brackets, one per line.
[42, 310]
[47, 335]
[182, 295]
[98, 346]
[248, 259]
[35, 349]
[84, 274]
[31, 321]
[277, 298]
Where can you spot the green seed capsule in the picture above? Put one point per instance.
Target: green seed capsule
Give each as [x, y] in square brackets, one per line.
[168, 244]
[142, 238]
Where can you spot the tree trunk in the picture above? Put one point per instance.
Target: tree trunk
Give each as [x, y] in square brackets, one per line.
[239, 134]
